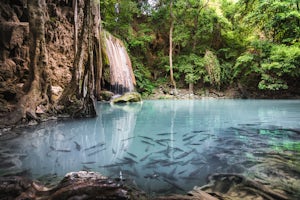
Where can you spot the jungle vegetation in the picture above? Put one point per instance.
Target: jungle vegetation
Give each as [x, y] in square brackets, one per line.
[214, 43]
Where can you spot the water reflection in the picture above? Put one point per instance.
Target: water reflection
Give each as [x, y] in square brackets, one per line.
[162, 146]
[61, 147]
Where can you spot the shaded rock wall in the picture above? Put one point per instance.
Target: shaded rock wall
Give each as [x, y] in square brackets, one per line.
[14, 49]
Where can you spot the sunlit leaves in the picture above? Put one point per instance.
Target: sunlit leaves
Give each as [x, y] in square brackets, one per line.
[283, 62]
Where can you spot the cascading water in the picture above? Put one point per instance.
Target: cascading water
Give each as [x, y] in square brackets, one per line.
[121, 74]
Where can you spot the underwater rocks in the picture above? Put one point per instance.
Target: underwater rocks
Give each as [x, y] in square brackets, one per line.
[92, 185]
[75, 185]
[128, 97]
[230, 187]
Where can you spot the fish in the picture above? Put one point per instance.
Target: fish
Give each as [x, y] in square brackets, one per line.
[187, 134]
[131, 154]
[128, 138]
[52, 148]
[163, 134]
[130, 160]
[130, 173]
[77, 146]
[195, 144]
[113, 151]
[147, 148]
[146, 142]
[166, 163]
[95, 152]
[111, 165]
[88, 163]
[188, 138]
[145, 157]
[182, 163]
[181, 172]
[94, 146]
[164, 140]
[177, 149]
[184, 154]
[195, 172]
[173, 171]
[166, 152]
[63, 150]
[160, 143]
[152, 163]
[197, 131]
[168, 176]
[86, 168]
[145, 137]
[198, 162]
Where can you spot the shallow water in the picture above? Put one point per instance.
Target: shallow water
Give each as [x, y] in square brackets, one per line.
[163, 146]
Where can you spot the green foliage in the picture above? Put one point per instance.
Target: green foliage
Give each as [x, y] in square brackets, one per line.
[279, 20]
[245, 65]
[192, 66]
[213, 69]
[255, 42]
[284, 61]
[143, 78]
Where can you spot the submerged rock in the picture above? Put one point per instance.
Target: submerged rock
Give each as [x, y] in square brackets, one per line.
[92, 185]
[75, 185]
[128, 97]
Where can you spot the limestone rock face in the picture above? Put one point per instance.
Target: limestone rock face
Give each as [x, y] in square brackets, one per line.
[14, 61]
[14, 49]
[128, 97]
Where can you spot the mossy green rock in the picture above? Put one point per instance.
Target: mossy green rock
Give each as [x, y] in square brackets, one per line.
[128, 97]
[106, 95]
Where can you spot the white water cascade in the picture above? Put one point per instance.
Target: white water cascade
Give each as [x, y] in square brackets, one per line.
[121, 74]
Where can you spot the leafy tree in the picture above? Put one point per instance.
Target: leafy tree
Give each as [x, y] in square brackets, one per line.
[279, 20]
[282, 65]
[213, 69]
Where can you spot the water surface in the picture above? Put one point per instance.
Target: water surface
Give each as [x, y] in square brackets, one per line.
[162, 145]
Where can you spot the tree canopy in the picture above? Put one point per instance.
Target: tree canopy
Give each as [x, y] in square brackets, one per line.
[216, 43]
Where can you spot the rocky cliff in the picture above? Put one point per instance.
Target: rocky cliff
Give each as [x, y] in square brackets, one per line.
[14, 49]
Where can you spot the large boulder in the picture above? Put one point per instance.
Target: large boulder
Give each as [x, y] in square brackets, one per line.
[105, 95]
[75, 185]
[128, 97]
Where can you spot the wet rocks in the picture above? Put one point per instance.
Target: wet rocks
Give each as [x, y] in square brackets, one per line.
[56, 92]
[106, 95]
[236, 186]
[75, 185]
[128, 97]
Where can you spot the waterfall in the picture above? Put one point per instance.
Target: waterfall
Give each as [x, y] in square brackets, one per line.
[121, 74]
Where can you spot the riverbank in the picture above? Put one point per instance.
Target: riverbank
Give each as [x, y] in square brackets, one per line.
[230, 93]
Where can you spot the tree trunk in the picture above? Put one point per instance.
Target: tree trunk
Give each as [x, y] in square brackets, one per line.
[191, 88]
[78, 99]
[36, 102]
[98, 54]
[75, 8]
[171, 47]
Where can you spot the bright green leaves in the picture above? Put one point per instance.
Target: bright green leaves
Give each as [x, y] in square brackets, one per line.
[252, 42]
[192, 66]
[195, 68]
[279, 20]
[275, 64]
[284, 61]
